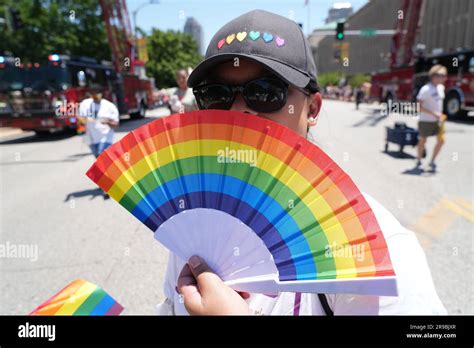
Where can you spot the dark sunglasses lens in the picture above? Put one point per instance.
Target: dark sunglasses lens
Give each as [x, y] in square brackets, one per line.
[214, 97]
[266, 95]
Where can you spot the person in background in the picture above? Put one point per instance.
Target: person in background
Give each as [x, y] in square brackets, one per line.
[359, 97]
[101, 117]
[347, 92]
[431, 98]
[181, 99]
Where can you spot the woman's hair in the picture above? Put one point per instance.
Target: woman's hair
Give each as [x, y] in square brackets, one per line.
[438, 69]
[182, 71]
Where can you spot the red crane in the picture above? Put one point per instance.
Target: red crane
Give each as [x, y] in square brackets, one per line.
[133, 88]
[407, 28]
[119, 34]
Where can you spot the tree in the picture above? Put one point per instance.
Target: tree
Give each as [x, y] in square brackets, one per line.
[329, 78]
[358, 79]
[55, 26]
[169, 51]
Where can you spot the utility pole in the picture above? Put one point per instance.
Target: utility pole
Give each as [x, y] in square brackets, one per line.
[135, 12]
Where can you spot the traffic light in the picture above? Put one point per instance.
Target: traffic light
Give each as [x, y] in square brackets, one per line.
[340, 31]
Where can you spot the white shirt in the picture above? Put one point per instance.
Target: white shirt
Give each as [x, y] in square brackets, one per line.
[95, 129]
[416, 292]
[181, 101]
[432, 97]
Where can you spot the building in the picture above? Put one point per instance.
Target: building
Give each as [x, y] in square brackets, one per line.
[339, 11]
[447, 25]
[444, 26]
[193, 28]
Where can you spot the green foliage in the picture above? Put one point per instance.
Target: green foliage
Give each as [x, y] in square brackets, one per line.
[330, 78]
[76, 27]
[358, 79]
[333, 78]
[55, 26]
[169, 51]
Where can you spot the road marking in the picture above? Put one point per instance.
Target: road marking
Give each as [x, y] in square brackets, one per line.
[468, 205]
[437, 220]
[459, 210]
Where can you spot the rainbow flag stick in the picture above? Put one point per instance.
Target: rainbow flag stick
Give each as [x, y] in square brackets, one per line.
[80, 298]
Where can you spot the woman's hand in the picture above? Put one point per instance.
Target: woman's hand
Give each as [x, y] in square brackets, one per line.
[205, 293]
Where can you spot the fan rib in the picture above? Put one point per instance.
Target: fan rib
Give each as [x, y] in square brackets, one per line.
[178, 168]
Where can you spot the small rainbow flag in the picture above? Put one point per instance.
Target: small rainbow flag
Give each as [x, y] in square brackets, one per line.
[80, 298]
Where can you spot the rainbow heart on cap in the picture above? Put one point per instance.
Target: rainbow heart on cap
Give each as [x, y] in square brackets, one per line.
[241, 36]
[230, 38]
[267, 37]
[220, 43]
[279, 41]
[254, 35]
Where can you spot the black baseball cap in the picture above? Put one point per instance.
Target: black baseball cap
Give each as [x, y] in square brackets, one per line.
[276, 42]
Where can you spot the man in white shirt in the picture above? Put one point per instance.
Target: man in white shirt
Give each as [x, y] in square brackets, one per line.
[101, 117]
[431, 98]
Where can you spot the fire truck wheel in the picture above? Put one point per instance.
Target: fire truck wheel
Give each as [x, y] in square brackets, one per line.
[452, 105]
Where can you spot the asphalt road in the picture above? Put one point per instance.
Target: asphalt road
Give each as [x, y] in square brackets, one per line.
[48, 203]
[438, 207]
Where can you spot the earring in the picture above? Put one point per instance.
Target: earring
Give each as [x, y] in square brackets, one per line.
[313, 121]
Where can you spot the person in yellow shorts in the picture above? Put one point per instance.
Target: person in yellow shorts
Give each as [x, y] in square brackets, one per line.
[432, 119]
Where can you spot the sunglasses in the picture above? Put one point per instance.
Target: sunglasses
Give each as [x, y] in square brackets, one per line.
[266, 94]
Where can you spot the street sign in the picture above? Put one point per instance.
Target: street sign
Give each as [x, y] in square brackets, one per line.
[368, 32]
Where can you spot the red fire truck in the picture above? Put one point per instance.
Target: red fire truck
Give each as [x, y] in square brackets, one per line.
[392, 85]
[402, 84]
[409, 71]
[45, 97]
[459, 93]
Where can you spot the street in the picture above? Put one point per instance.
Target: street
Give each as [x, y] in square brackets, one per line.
[47, 200]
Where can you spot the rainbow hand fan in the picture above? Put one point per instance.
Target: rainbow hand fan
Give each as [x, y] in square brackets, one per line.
[268, 210]
[80, 298]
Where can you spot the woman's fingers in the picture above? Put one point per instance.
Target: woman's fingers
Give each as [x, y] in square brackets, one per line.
[206, 279]
[187, 287]
[186, 278]
[206, 294]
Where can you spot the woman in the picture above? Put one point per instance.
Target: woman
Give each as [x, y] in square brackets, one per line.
[263, 53]
[181, 98]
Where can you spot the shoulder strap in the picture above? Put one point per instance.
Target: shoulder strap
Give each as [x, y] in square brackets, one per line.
[325, 304]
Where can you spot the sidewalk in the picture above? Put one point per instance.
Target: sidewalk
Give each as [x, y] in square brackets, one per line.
[9, 131]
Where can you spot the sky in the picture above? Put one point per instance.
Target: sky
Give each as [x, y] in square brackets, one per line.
[213, 14]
